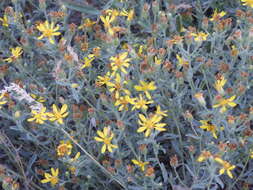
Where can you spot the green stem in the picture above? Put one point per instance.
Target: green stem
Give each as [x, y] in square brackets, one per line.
[180, 137]
[212, 168]
[207, 85]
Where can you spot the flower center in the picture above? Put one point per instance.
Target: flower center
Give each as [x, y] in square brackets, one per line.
[58, 115]
[106, 79]
[118, 86]
[124, 102]
[107, 141]
[39, 116]
[226, 165]
[118, 62]
[211, 128]
[54, 180]
[224, 102]
[48, 33]
[150, 124]
[141, 103]
[63, 149]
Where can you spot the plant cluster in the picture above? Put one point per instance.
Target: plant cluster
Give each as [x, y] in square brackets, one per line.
[126, 94]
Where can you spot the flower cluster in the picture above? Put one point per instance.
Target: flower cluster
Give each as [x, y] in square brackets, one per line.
[154, 95]
[111, 16]
[56, 115]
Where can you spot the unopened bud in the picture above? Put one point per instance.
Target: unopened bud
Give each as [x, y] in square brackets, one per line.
[74, 85]
[17, 114]
[200, 98]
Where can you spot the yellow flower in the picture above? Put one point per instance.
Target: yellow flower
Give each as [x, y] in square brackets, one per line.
[76, 157]
[218, 85]
[38, 98]
[72, 166]
[234, 51]
[2, 102]
[224, 103]
[125, 46]
[140, 50]
[4, 21]
[216, 16]
[181, 61]
[248, 3]
[53, 179]
[123, 102]
[146, 87]
[199, 37]
[204, 156]
[209, 127]
[129, 15]
[158, 61]
[87, 23]
[159, 112]
[64, 148]
[58, 115]
[140, 164]
[227, 167]
[16, 52]
[141, 103]
[48, 31]
[72, 169]
[106, 137]
[38, 116]
[87, 61]
[107, 20]
[105, 80]
[251, 154]
[148, 124]
[113, 13]
[120, 62]
[117, 86]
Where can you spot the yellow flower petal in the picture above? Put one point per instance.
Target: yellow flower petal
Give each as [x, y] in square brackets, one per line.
[64, 108]
[222, 170]
[103, 148]
[141, 129]
[98, 139]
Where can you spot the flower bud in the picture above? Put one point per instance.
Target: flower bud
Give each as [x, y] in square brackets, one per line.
[200, 98]
[74, 85]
